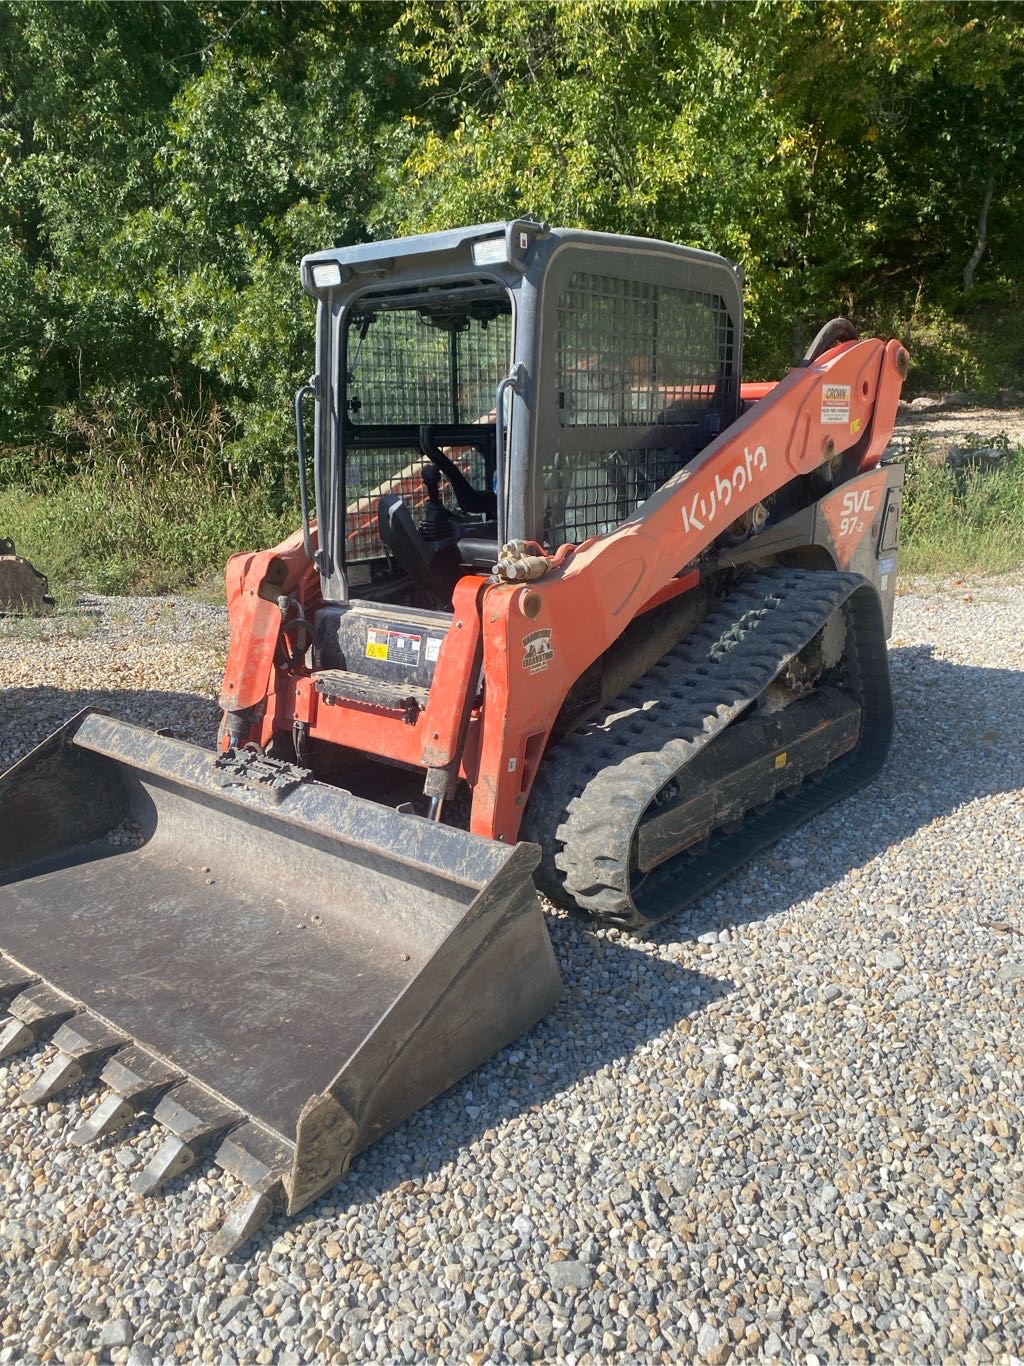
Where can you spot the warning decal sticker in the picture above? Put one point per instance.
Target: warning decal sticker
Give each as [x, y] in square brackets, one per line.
[397, 647]
[537, 651]
[835, 403]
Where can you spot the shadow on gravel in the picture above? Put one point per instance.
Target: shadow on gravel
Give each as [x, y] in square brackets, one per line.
[958, 739]
[641, 997]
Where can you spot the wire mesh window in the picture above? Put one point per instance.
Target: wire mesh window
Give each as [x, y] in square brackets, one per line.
[407, 367]
[370, 474]
[631, 353]
[588, 493]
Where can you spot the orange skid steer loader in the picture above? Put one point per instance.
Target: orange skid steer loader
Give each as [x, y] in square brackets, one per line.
[570, 605]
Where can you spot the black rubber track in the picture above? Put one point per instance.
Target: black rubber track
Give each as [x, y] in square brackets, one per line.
[595, 785]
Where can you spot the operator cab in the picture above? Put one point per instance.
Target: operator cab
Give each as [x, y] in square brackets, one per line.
[506, 381]
[419, 473]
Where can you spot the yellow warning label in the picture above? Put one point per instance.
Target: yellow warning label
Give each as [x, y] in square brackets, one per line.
[781, 760]
[396, 647]
[855, 426]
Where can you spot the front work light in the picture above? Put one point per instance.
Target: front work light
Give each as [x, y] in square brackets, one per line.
[326, 275]
[490, 252]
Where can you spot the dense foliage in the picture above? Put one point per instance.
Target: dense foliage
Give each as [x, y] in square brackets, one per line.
[165, 165]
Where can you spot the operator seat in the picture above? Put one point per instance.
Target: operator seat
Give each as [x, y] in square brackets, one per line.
[432, 566]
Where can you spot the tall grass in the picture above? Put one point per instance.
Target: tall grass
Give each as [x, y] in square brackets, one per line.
[136, 502]
[958, 520]
[155, 504]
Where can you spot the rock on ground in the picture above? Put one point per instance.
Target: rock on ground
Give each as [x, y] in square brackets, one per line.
[786, 1126]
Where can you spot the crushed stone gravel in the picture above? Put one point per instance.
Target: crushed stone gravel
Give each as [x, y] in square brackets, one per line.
[966, 423]
[786, 1127]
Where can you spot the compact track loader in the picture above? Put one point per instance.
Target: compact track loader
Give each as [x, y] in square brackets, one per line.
[569, 601]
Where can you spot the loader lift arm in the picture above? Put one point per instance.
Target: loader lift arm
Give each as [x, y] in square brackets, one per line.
[594, 592]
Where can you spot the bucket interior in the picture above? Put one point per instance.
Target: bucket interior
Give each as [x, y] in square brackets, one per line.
[252, 951]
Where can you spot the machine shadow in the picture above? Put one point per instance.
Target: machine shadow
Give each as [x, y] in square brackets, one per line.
[649, 997]
[988, 705]
[931, 771]
[32, 714]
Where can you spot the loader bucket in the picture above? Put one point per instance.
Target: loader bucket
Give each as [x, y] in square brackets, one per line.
[280, 971]
[23, 590]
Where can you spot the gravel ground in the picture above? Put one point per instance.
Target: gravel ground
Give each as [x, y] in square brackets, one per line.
[952, 426]
[786, 1127]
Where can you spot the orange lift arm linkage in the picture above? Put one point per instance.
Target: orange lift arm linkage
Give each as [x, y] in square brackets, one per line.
[537, 639]
[588, 601]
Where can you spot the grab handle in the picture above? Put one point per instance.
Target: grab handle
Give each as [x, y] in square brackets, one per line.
[309, 389]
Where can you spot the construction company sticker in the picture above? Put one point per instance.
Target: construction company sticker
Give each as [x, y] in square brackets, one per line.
[835, 403]
[397, 647]
[537, 651]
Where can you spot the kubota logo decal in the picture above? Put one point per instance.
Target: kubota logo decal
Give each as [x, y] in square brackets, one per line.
[705, 507]
[537, 651]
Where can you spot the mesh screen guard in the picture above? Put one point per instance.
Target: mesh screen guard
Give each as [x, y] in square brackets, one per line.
[646, 375]
[640, 374]
[407, 367]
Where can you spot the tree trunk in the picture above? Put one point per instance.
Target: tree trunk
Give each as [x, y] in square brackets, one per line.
[979, 250]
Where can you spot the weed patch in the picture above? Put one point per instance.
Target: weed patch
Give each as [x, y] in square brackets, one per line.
[99, 533]
[956, 520]
[138, 503]
[158, 507]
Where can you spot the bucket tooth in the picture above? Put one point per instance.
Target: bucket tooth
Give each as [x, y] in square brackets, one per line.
[14, 1036]
[109, 1117]
[173, 1158]
[262, 1161]
[13, 980]
[85, 1044]
[196, 1119]
[254, 1155]
[33, 1013]
[61, 1073]
[136, 1080]
[139, 1076]
[245, 1219]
